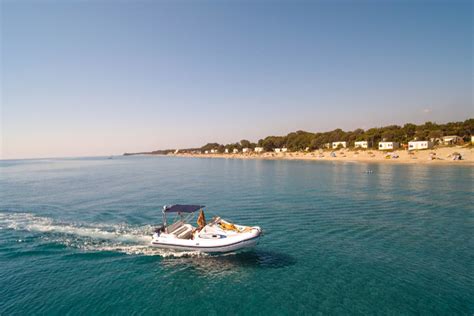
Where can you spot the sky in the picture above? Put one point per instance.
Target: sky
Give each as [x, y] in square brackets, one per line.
[86, 78]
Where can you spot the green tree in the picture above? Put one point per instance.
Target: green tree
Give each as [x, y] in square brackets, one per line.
[245, 143]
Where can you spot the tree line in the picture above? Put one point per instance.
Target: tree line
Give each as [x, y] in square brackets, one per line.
[300, 140]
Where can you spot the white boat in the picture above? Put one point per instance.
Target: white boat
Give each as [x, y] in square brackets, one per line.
[217, 236]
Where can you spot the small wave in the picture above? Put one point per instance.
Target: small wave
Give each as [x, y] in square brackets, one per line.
[132, 240]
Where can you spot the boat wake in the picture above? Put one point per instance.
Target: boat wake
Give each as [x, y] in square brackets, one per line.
[128, 239]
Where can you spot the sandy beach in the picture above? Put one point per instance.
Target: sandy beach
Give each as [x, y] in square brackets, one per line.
[438, 156]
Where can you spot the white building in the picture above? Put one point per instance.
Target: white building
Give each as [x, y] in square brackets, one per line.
[420, 144]
[451, 140]
[284, 150]
[277, 150]
[206, 151]
[226, 150]
[336, 144]
[259, 149]
[246, 150]
[176, 151]
[361, 144]
[327, 145]
[388, 145]
[213, 151]
[235, 151]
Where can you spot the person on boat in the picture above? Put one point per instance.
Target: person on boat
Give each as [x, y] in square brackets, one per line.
[228, 226]
[201, 221]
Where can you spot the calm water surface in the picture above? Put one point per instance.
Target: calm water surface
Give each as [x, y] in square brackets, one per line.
[74, 235]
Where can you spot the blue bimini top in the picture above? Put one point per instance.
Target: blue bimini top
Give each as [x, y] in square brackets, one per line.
[182, 208]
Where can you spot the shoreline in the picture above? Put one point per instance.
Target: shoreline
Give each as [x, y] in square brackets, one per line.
[422, 157]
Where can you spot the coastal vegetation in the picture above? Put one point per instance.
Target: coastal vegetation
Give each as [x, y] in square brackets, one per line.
[303, 140]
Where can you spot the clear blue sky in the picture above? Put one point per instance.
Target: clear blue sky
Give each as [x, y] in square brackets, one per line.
[105, 77]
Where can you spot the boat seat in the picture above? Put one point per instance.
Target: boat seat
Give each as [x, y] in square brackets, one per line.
[184, 232]
[173, 227]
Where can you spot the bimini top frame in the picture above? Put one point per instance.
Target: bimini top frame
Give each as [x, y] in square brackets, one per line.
[180, 208]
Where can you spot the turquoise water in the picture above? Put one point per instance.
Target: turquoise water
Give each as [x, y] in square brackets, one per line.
[73, 238]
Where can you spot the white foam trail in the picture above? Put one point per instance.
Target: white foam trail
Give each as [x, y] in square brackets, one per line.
[30, 222]
[133, 240]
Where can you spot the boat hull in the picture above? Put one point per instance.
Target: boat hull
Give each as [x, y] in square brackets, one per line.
[242, 245]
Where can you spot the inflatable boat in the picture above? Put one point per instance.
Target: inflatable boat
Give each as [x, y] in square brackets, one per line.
[217, 236]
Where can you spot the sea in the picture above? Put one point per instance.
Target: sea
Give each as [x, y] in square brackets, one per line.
[340, 238]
